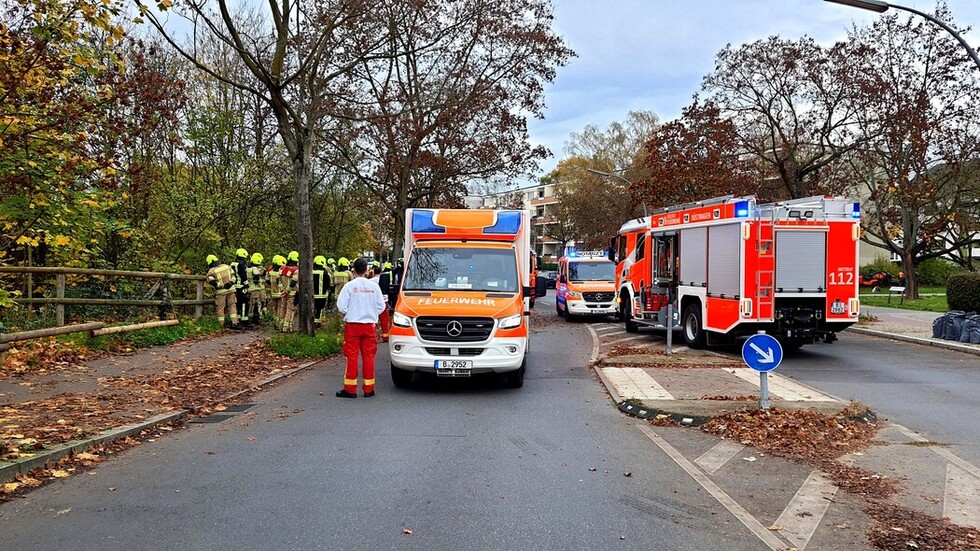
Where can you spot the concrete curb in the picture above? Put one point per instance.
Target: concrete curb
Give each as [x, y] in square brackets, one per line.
[10, 469]
[918, 340]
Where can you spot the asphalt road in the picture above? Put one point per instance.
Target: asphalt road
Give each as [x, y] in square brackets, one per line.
[458, 464]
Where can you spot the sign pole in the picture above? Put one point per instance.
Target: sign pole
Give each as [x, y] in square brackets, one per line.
[762, 353]
[764, 386]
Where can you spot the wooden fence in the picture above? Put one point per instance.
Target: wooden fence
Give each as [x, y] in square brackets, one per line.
[60, 301]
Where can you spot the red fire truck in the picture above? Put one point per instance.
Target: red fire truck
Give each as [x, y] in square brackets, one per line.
[731, 267]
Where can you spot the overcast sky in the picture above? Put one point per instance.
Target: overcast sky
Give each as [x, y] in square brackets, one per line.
[652, 54]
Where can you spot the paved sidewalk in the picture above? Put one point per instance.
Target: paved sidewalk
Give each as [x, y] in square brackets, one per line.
[909, 326]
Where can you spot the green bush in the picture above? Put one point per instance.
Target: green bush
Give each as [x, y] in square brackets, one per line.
[963, 292]
[880, 264]
[936, 271]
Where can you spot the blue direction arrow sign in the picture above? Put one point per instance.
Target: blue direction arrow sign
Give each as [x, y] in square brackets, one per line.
[762, 352]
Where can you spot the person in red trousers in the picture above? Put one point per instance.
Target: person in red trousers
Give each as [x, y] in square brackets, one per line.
[361, 302]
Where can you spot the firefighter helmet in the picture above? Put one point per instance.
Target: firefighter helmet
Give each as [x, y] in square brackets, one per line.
[257, 258]
[293, 256]
[320, 261]
[241, 253]
[343, 261]
[331, 261]
[387, 265]
[211, 258]
[278, 260]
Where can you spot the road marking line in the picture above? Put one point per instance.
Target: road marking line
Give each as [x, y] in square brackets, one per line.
[595, 344]
[724, 499]
[718, 455]
[800, 519]
[607, 328]
[943, 452]
[633, 338]
[606, 325]
[781, 386]
[961, 502]
[634, 382]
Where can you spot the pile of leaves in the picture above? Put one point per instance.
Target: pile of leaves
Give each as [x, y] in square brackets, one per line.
[899, 527]
[811, 438]
[626, 350]
[40, 356]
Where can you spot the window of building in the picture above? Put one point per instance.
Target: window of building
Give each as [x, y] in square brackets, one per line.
[541, 192]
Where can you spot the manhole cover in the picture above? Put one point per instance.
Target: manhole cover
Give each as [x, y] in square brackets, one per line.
[238, 408]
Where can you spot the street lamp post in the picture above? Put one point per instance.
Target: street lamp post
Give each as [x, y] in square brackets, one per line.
[609, 175]
[879, 6]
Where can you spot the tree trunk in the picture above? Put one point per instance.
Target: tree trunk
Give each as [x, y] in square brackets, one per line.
[398, 239]
[911, 283]
[304, 233]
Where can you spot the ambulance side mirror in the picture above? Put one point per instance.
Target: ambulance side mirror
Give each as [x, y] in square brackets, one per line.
[541, 286]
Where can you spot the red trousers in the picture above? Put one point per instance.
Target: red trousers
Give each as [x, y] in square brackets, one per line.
[385, 321]
[359, 338]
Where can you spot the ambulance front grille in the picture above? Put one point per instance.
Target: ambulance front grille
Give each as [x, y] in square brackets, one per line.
[454, 329]
[599, 297]
[449, 351]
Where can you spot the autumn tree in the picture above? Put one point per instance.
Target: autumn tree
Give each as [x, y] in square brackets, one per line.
[918, 103]
[295, 54]
[695, 157]
[446, 104]
[590, 208]
[618, 147]
[789, 101]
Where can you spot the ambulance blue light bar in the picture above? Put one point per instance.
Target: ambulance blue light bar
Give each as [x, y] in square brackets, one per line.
[742, 209]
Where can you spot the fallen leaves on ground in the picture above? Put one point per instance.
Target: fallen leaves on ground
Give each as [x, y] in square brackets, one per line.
[43, 356]
[898, 527]
[626, 350]
[199, 385]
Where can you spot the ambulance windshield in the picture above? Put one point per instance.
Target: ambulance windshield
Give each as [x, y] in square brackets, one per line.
[461, 269]
[591, 271]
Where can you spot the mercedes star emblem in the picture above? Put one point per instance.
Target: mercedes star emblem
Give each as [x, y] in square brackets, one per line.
[454, 329]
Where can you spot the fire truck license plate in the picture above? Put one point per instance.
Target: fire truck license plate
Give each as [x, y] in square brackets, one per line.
[837, 308]
[454, 368]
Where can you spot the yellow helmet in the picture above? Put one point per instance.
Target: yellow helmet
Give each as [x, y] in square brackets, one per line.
[376, 264]
[331, 261]
[320, 261]
[278, 260]
[387, 266]
[241, 253]
[343, 261]
[211, 258]
[293, 255]
[257, 258]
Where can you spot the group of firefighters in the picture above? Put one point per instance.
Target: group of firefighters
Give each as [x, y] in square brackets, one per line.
[246, 289]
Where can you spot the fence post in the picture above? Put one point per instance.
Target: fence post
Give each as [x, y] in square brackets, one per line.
[59, 308]
[199, 309]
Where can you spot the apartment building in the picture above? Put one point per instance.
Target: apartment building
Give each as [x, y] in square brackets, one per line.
[540, 200]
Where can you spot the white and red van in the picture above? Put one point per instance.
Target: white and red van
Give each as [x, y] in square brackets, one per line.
[586, 286]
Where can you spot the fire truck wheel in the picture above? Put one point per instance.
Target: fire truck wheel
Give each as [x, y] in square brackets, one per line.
[631, 326]
[515, 379]
[694, 335]
[401, 377]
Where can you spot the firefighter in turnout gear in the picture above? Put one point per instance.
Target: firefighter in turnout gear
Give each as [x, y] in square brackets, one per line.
[341, 276]
[275, 300]
[256, 288]
[289, 283]
[240, 267]
[331, 297]
[321, 287]
[384, 280]
[222, 278]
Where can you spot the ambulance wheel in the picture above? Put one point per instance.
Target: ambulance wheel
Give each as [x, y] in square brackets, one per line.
[515, 379]
[693, 327]
[557, 309]
[568, 315]
[401, 377]
[631, 326]
[532, 303]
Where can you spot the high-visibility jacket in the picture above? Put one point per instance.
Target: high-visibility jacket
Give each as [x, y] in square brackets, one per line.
[321, 284]
[219, 277]
[256, 278]
[340, 277]
[289, 279]
[386, 282]
[241, 274]
[274, 287]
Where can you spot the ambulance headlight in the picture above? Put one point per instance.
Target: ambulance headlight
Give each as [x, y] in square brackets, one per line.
[574, 295]
[401, 320]
[511, 322]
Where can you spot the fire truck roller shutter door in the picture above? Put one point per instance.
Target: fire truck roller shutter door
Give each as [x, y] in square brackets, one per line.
[723, 260]
[801, 258]
[694, 257]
